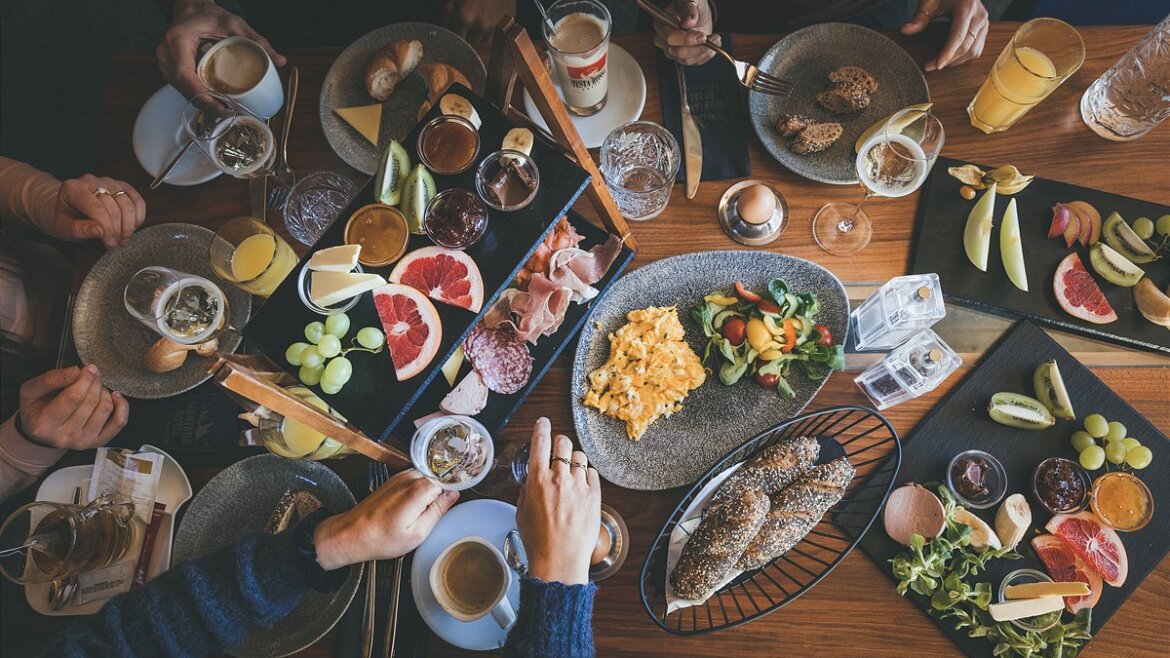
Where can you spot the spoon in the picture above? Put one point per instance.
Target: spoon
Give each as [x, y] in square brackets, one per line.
[552, 29]
[514, 553]
[61, 592]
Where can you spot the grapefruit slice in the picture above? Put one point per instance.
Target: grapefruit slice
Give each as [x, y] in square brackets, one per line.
[412, 326]
[1096, 544]
[1078, 294]
[444, 275]
[1065, 566]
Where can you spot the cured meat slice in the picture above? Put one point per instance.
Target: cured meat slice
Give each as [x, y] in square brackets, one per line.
[500, 358]
[563, 236]
[577, 269]
[468, 398]
[532, 314]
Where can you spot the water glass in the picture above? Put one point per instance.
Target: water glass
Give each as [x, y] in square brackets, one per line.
[1133, 96]
[247, 252]
[639, 162]
[455, 452]
[314, 202]
[182, 307]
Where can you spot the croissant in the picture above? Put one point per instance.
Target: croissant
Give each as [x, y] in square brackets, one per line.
[391, 65]
[438, 77]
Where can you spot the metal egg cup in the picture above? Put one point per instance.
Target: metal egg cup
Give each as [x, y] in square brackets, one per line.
[744, 232]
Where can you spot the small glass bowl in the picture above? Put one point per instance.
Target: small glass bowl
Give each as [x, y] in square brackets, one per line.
[1078, 472]
[425, 133]
[436, 214]
[1038, 623]
[1110, 522]
[491, 166]
[384, 222]
[303, 282]
[996, 481]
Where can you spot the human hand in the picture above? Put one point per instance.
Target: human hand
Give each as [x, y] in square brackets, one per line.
[685, 45]
[559, 510]
[476, 20]
[82, 213]
[969, 23]
[193, 22]
[389, 523]
[71, 410]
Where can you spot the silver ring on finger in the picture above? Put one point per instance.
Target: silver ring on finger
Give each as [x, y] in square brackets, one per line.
[100, 191]
[577, 465]
[562, 460]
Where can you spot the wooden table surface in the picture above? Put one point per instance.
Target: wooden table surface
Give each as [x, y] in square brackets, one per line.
[856, 607]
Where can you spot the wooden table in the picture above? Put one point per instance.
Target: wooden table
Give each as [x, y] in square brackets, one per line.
[856, 607]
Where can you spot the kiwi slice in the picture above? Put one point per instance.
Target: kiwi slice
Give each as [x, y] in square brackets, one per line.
[1020, 411]
[1121, 237]
[393, 169]
[1051, 392]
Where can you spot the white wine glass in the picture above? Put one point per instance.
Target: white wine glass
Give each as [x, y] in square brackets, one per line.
[236, 141]
[893, 163]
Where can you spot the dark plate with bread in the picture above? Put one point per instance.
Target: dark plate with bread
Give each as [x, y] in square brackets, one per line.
[401, 67]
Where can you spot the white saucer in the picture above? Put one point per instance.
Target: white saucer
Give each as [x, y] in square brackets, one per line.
[174, 489]
[627, 97]
[490, 519]
[158, 136]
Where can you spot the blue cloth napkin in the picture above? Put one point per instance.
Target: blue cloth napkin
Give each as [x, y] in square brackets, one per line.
[717, 104]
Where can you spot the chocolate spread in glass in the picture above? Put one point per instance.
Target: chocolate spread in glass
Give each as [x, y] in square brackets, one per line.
[511, 185]
[969, 475]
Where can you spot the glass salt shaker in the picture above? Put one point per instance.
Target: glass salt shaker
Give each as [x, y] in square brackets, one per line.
[915, 368]
[1133, 96]
[903, 306]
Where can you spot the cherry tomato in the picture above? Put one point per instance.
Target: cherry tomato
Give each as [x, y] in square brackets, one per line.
[826, 335]
[768, 307]
[745, 294]
[767, 381]
[734, 330]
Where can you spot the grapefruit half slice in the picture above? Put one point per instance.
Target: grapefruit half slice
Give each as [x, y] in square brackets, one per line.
[444, 275]
[1065, 566]
[412, 326]
[1078, 294]
[1096, 544]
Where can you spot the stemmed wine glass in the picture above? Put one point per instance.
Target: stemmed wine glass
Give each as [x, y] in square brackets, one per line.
[236, 141]
[893, 163]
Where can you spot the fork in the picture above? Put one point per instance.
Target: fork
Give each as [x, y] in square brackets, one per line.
[378, 473]
[281, 170]
[749, 75]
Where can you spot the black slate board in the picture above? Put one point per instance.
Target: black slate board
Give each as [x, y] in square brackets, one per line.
[374, 400]
[938, 247]
[959, 422]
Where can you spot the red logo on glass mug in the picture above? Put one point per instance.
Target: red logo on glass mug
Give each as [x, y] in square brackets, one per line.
[589, 70]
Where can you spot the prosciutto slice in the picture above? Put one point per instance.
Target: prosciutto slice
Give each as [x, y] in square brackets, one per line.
[577, 269]
[563, 236]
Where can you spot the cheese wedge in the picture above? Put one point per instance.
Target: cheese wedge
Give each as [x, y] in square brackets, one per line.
[329, 288]
[451, 367]
[342, 258]
[1010, 610]
[1035, 590]
[366, 119]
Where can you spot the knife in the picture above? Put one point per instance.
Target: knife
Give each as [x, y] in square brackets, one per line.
[258, 195]
[692, 142]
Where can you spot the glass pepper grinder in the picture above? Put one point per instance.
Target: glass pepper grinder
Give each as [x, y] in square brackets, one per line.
[915, 368]
[902, 307]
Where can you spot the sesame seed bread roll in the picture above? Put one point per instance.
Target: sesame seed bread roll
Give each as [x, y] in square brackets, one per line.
[772, 469]
[717, 542]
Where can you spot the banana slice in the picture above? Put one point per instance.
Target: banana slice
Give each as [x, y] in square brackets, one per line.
[460, 106]
[519, 139]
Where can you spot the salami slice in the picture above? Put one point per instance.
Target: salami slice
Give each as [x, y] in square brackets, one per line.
[500, 358]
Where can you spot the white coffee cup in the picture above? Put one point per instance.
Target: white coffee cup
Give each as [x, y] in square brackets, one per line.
[251, 80]
[470, 580]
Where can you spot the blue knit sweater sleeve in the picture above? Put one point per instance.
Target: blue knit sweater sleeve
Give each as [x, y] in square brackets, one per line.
[554, 621]
[202, 607]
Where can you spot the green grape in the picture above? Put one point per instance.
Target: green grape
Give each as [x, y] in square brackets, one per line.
[337, 372]
[1163, 225]
[370, 338]
[1092, 458]
[330, 346]
[337, 325]
[293, 353]
[314, 331]
[1096, 425]
[328, 387]
[311, 357]
[1131, 443]
[1116, 431]
[1139, 457]
[1115, 452]
[1081, 440]
[310, 376]
[1144, 227]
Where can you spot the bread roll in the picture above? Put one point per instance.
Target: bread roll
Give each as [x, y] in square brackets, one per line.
[717, 543]
[795, 511]
[437, 78]
[390, 65]
[772, 469]
[857, 76]
[816, 137]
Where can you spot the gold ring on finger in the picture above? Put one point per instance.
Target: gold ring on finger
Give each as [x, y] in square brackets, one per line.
[562, 460]
[577, 465]
[100, 191]
[120, 193]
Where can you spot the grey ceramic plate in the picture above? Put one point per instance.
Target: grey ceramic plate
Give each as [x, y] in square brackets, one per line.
[715, 418]
[109, 337]
[238, 502]
[345, 86]
[806, 57]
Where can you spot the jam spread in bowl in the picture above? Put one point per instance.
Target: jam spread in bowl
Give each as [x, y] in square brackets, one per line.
[1061, 485]
[455, 219]
[448, 145]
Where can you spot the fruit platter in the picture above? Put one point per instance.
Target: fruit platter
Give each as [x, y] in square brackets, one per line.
[1082, 260]
[451, 282]
[1027, 511]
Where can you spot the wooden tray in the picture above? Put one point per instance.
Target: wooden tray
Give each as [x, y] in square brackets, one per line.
[959, 422]
[938, 247]
[374, 400]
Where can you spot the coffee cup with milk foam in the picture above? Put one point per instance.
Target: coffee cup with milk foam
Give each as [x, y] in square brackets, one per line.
[241, 69]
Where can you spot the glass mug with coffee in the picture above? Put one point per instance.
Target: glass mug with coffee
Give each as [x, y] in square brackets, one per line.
[470, 580]
[579, 45]
[240, 69]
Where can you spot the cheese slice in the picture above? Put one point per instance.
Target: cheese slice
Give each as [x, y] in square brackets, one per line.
[341, 258]
[328, 288]
[366, 119]
[1010, 610]
[451, 367]
[1034, 590]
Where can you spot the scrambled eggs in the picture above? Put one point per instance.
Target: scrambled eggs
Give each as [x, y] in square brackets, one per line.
[650, 370]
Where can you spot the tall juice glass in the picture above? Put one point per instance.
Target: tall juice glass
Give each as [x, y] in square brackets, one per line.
[1042, 54]
[251, 255]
